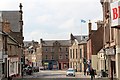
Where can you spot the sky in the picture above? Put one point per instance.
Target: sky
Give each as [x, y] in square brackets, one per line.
[55, 19]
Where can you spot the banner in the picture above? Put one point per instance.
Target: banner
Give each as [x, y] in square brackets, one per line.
[115, 13]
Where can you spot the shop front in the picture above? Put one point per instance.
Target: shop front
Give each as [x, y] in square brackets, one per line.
[13, 66]
[50, 64]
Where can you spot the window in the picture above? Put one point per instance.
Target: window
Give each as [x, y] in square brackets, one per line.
[76, 54]
[10, 48]
[60, 57]
[73, 53]
[65, 65]
[52, 57]
[70, 53]
[46, 50]
[66, 56]
[66, 49]
[80, 67]
[52, 50]
[70, 64]
[80, 53]
[112, 34]
[12, 67]
[46, 57]
[60, 49]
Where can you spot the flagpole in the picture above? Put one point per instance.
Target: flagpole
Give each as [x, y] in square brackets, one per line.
[82, 21]
[81, 30]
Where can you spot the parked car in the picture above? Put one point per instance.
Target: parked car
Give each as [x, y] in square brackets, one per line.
[36, 69]
[70, 72]
[41, 68]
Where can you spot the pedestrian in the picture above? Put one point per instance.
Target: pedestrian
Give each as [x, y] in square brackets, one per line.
[85, 72]
[92, 73]
[10, 78]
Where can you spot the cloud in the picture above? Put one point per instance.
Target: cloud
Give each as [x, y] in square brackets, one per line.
[43, 19]
[68, 24]
[54, 19]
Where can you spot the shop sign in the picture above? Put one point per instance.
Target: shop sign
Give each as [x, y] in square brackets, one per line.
[110, 51]
[46, 63]
[115, 13]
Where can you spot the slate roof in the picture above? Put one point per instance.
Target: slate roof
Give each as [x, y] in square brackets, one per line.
[13, 17]
[62, 42]
[10, 37]
[81, 40]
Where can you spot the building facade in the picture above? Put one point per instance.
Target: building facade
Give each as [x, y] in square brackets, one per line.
[54, 53]
[78, 53]
[30, 51]
[12, 25]
[108, 39]
[111, 39]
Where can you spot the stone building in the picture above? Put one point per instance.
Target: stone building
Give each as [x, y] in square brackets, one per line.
[78, 52]
[95, 46]
[30, 49]
[11, 24]
[9, 53]
[54, 53]
[111, 38]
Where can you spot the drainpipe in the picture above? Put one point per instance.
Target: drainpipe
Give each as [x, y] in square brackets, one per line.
[6, 54]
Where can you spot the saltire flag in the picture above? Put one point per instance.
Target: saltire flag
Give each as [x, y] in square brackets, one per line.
[83, 21]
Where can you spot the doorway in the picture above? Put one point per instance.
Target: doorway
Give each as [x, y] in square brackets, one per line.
[113, 69]
[59, 66]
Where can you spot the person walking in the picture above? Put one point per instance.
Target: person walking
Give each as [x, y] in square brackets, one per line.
[84, 72]
[87, 70]
[92, 73]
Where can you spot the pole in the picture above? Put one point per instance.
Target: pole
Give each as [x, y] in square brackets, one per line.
[81, 30]
[6, 61]
[21, 42]
[104, 42]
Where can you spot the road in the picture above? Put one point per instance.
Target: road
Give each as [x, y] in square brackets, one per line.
[56, 75]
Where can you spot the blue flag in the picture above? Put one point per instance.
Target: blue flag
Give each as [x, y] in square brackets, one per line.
[83, 21]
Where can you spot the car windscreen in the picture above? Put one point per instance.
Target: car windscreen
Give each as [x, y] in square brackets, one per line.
[70, 70]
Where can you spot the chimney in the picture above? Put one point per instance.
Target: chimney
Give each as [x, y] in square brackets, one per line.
[89, 27]
[6, 26]
[99, 24]
[41, 40]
